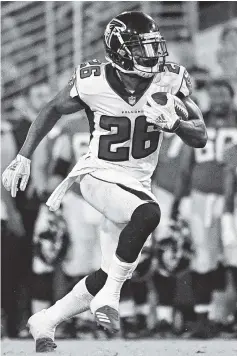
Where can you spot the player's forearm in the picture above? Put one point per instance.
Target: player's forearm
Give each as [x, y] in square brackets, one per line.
[41, 126]
[193, 133]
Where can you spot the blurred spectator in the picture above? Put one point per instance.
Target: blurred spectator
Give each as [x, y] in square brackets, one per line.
[172, 255]
[83, 255]
[27, 108]
[10, 70]
[135, 305]
[229, 219]
[11, 272]
[163, 188]
[229, 231]
[50, 245]
[204, 170]
[200, 77]
[227, 55]
[185, 48]
[12, 232]
[8, 153]
[28, 202]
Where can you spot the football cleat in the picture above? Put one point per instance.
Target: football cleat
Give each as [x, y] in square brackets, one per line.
[42, 332]
[108, 318]
[45, 344]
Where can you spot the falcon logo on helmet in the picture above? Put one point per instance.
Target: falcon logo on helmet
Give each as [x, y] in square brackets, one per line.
[134, 45]
[114, 26]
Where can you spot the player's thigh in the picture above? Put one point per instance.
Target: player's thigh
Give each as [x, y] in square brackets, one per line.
[113, 201]
[205, 231]
[83, 236]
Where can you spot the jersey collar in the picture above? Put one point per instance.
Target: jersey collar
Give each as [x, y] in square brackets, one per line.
[118, 87]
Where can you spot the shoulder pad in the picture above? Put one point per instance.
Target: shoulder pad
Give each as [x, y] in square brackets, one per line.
[176, 78]
[88, 78]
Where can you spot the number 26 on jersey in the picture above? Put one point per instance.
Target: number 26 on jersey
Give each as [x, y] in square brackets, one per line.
[144, 140]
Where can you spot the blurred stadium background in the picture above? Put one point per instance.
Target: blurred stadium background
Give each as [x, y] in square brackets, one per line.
[43, 41]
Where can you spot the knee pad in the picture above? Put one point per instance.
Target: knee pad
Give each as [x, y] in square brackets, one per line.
[143, 222]
[148, 214]
[96, 281]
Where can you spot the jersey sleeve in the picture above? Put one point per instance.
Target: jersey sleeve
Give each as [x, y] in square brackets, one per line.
[186, 85]
[85, 80]
[174, 79]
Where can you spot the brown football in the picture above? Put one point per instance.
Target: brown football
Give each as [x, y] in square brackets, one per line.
[180, 108]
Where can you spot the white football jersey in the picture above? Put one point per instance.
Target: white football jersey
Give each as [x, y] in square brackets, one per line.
[121, 138]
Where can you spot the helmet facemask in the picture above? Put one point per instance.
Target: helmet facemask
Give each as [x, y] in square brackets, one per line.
[141, 54]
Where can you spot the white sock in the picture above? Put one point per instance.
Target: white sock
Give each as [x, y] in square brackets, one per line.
[118, 273]
[75, 302]
[110, 294]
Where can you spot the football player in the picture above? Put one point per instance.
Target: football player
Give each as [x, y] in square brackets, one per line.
[126, 132]
[203, 169]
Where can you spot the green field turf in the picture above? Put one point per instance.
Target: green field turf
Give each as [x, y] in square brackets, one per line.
[125, 348]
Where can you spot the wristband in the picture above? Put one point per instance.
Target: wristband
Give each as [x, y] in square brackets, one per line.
[21, 158]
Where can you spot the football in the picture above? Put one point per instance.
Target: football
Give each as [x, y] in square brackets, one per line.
[180, 108]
